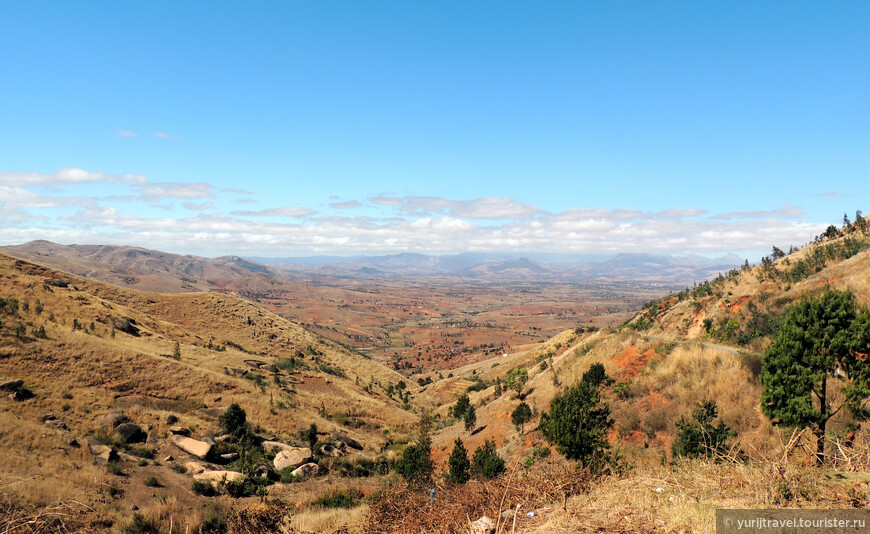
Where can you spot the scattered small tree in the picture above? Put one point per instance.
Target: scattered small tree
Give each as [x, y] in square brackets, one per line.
[459, 464]
[486, 462]
[470, 418]
[234, 421]
[699, 437]
[596, 376]
[577, 424]
[416, 464]
[310, 435]
[461, 406]
[177, 352]
[517, 378]
[521, 415]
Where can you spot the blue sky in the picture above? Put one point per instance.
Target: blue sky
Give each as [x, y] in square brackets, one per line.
[301, 128]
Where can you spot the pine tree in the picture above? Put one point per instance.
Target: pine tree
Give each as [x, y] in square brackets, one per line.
[486, 462]
[699, 437]
[577, 424]
[817, 347]
[416, 464]
[521, 415]
[470, 418]
[459, 464]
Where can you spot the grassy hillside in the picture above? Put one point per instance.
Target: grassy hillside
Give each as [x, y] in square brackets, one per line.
[84, 349]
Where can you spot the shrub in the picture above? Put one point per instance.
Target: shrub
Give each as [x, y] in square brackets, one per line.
[339, 499]
[596, 376]
[470, 418]
[486, 462]
[141, 452]
[152, 482]
[517, 378]
[416, 465]
[203, 488]
[461, 406]
[243, 488]
[141, 525]
[234, 421]
[178, 468]
[701, 438]
[577, 424]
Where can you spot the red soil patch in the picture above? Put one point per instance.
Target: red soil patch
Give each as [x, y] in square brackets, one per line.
[656, 399]
[736, 306]
[631, 362]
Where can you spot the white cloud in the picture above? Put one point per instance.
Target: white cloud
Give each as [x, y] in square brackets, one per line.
[345, 205]
[126, 133]
[831, 194]
[164, 135]
[235, 191]
[178, 190]
[788, 211]
[277, 212]
[198, 207]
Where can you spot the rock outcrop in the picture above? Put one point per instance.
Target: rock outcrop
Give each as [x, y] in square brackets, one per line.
[292, 458]
[197, 448]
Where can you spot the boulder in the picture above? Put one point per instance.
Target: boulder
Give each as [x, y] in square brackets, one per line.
[306, 470]
[197, 448]
[229, 457]
[110, 420]
[331, 450]
[130, 433]
[179, 430]
[216, 478]
[194, 468]
[11, 385]
[292, 458]
[223, 437]
[169, 458]
[171, 419]
[124, 324]
[49, 417]
[276, 446]
[53, 282]
[350, 442]
[21, 395]
[152, 439]
[54, 423]
[264, 471]
[484, 525]
[102, 453]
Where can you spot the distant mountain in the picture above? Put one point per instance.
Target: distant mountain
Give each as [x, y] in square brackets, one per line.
[514, 266]
[144, 269]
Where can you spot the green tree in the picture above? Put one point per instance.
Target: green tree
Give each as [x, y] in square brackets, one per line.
[470, 418]
[596, 376]
[521, 415]
[234, 421]
[486, 462]
[176, 353]
[416, 465]
[459, 464]
[699, 437]
[517, 378]
[577, 424]
[814, 353]
[461, 406]
[310, 435]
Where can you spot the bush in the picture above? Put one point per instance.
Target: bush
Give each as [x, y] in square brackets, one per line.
[339, 499]
[178, 468]
[152, 482]
[461, 406]
[416, 465]
[596, 376]
[243, 488]
[577, 424]
[141, 452]
[701, 438]
[234, 421]
[141, 525]
[486, 462]
[203, 488]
